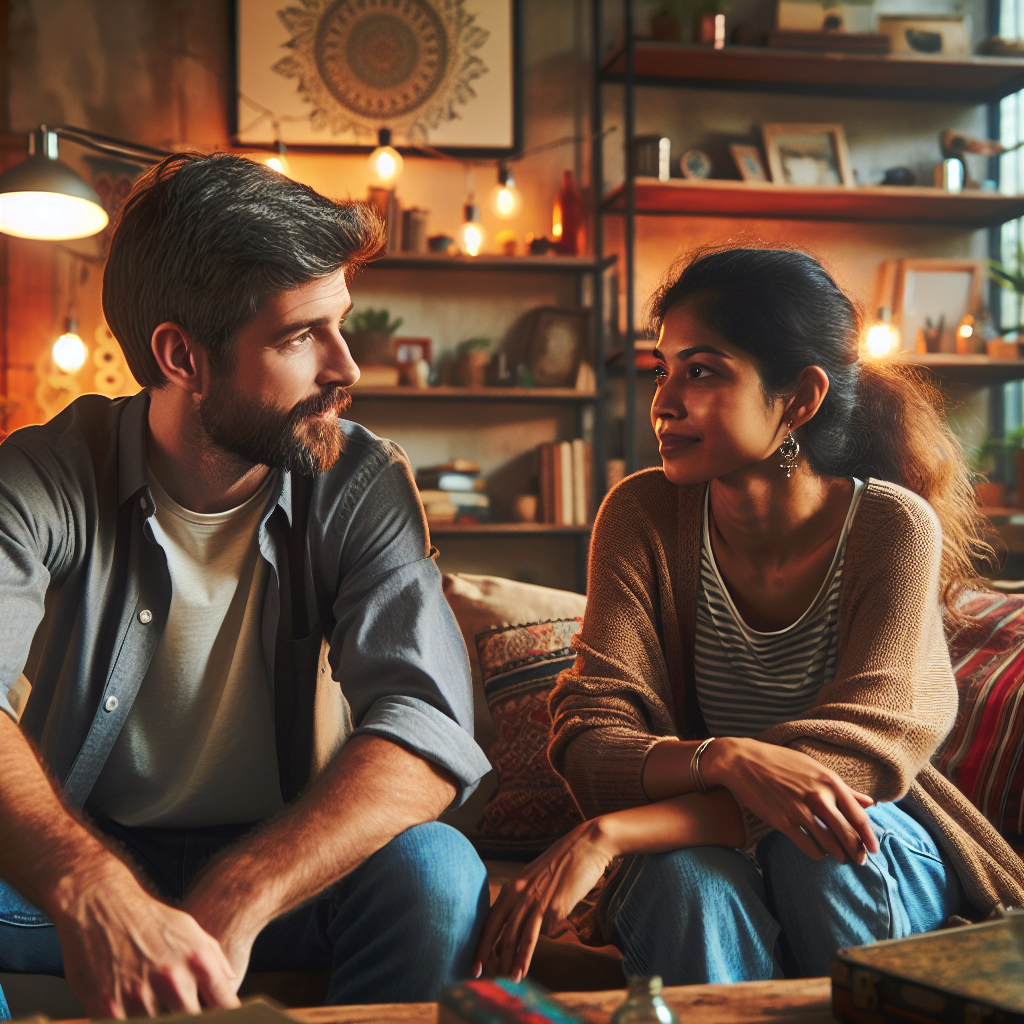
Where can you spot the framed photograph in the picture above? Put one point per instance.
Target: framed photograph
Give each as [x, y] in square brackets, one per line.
[948, 36]
[823, 16]
[748, 162]
[556, 343]
[808, 154]
[332, 73]
[931, 297]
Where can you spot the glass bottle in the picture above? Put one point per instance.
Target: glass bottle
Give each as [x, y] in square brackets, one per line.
[644, 1004]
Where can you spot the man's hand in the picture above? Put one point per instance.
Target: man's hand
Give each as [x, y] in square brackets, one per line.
[127, 954]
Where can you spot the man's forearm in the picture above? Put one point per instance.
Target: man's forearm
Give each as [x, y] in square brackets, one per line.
[45, 847]
[372, 791]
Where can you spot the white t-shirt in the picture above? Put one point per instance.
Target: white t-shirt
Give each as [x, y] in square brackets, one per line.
[198, 746]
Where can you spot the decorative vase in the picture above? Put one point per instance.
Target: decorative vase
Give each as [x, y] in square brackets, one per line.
[570, 202]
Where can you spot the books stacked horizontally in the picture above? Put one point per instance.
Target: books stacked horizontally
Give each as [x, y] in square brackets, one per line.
[566, 483]
[454, 493]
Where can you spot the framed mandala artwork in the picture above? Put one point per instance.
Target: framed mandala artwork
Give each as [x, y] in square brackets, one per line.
[332, 73]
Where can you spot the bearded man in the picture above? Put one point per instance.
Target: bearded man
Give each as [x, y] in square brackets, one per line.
[235, 698]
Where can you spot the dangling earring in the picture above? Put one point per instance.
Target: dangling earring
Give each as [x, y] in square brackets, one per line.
[789, 450]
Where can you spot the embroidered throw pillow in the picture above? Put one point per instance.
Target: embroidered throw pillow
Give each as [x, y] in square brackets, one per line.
[983, 756]
[532, 807]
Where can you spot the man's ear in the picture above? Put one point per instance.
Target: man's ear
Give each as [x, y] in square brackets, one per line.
[811, 389]
[182, 361]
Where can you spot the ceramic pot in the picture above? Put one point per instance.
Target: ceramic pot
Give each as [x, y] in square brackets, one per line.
[471, 369]
[371, 348]
[991, 494]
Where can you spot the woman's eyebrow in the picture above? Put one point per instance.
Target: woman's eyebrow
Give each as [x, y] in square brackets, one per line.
[697, 349]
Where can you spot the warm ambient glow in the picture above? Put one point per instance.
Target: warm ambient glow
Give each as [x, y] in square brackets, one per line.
[507, 200]
[472, 239]
[385, 163]
[69, 352]
[556, 220]
[882, 340]
[50, 216]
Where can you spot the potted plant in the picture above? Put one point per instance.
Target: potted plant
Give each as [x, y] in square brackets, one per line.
[1014, 445]
[472, 357]
[1010, 278]
[991, 493]
[369, 338]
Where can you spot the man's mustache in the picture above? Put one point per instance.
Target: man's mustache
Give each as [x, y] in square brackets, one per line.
[334, 398]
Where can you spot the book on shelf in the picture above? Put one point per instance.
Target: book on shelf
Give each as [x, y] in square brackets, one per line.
[566, 482]
[433, 480]
[463, 499]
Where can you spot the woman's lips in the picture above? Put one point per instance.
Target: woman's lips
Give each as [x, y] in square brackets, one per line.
[673, 444]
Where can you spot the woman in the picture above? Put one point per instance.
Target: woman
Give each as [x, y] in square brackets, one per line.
[780, 585]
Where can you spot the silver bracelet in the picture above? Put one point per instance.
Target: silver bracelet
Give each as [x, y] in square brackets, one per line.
[695, 776]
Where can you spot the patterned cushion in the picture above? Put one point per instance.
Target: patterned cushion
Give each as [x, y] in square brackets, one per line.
[984, 754]
[532, 806]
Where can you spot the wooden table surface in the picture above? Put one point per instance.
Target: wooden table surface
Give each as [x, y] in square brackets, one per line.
[800, 1001]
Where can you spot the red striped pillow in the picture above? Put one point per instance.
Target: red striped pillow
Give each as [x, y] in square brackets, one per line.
[983, 756]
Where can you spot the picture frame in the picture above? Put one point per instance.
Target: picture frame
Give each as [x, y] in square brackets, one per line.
[810, 155]
[310, 75]
[936, 290]
[930, 35]
[748, 162]
[556, 343]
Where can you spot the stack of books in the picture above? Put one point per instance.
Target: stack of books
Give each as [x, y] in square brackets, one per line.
[454, 493]
[566, 483]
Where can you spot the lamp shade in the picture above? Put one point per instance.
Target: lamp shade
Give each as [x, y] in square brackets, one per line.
[44, 198]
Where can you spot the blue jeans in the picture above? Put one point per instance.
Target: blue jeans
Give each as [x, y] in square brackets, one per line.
[397, 929]
[709, 915]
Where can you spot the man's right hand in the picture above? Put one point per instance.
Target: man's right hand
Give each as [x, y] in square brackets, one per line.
[127, 954]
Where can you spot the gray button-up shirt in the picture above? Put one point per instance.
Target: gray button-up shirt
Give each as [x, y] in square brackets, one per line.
[85, 592]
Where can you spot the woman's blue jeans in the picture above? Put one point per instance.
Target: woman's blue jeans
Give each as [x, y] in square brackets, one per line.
[709, 915]
[397, 929]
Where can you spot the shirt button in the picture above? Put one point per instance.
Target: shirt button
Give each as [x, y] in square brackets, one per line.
[110, 704]
[145, 616]
[142, 502]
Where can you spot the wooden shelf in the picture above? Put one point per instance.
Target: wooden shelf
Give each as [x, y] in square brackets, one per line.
[454, 394]
[937, 78]
[513, 264]
[967, 369]
[506, 530]
[765, 201]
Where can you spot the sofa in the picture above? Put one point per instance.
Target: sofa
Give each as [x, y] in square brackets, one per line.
[518, 637]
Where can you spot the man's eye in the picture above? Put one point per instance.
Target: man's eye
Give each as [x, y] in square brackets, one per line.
[697, 372]
[660, 373]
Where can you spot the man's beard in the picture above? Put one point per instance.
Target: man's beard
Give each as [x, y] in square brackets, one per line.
[298, 440]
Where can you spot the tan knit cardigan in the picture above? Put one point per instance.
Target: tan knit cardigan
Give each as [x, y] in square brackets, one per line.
[893, 699]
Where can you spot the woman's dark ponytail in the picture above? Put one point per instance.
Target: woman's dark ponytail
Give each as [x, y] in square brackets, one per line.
[879, 419]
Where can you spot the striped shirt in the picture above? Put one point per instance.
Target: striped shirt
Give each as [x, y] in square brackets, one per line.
[748, 681]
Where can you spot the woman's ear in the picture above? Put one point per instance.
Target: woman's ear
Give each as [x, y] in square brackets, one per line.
[811, 389]
[181, 360]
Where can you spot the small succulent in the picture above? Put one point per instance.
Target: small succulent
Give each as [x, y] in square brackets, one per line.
[472, 345]
[374, 320]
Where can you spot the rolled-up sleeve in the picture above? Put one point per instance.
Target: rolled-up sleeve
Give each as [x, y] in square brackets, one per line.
[395, 647]
[34, 520]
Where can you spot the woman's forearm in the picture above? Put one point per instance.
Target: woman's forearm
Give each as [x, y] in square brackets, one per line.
[694, 819]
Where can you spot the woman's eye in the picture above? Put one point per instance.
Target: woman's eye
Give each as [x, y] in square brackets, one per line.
[697, 372]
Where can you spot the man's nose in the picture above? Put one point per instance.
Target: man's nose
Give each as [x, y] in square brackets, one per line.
[339, 366]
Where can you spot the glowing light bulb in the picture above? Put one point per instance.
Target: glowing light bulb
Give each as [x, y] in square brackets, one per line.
[506, 201]
[556, 220]
[882, 340]
[279, 162]
[471, 234]
[69, 351]
[385, 163]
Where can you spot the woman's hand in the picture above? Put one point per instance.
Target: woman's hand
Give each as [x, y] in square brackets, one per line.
[541, 896]
[794, 794]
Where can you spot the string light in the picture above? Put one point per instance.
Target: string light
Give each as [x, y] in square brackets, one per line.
[279, 162]
[69, 351]
[386, 163]
[507, 200]
[471, 234]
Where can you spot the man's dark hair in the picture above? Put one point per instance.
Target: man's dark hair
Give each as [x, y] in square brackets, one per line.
[202, 241]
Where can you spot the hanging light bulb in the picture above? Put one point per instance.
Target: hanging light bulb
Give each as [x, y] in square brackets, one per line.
[471, 234]
[882, 338]
[69, 351]
[279, 162]
[556, 219]
[506, 200]
[385, 163]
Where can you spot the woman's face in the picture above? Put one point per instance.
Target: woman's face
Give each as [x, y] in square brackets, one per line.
[709, 411]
